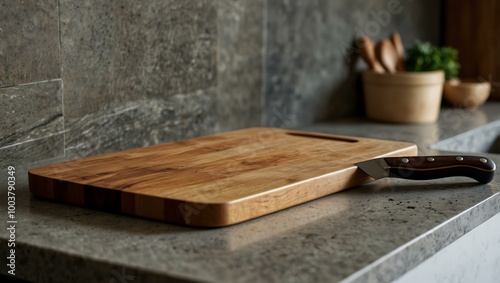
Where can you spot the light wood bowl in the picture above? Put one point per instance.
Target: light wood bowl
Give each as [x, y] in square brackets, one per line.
[403, 97]
[466, 94]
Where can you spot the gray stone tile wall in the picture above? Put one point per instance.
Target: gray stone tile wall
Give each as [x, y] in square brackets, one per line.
[31, 122]
[117, 52]
[142, 122]
[137, 72]
[30, 112]
[311, 71]
[239, 63]
[79, 78]
[29, 42]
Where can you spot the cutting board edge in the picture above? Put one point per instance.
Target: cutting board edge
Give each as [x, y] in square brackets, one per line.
[215, 214]
[357, 174]
[231, 213]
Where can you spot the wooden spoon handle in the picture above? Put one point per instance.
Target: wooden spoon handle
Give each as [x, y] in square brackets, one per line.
[387, 55]
[398, 45]
[368, 54]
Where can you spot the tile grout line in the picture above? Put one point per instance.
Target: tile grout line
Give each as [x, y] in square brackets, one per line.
[31, 140]
[32, 83]
[264, 61]
[63, 117]
[61, 74]
[59, 34]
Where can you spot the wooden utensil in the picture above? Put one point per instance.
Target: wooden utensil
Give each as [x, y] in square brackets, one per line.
[386, 54]
[215, 180]
[398, 45]
[368, 54]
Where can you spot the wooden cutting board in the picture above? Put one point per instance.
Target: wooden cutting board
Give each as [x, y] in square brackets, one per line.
[215, 180]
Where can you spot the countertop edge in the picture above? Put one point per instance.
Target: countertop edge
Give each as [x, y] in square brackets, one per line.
[70, 267]
[406, 257]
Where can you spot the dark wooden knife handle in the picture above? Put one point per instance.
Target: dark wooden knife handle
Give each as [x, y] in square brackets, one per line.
[480, 168]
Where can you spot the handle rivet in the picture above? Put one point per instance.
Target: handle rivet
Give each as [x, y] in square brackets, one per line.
[430, 159]
[405, 160]
[483, 160]
[460, 158]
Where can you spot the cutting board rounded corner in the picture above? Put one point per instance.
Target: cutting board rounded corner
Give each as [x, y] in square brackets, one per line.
[40, 186]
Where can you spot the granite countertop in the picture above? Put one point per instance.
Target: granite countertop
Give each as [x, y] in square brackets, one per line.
[371, 233]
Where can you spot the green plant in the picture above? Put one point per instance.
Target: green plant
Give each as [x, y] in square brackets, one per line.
[423, 56]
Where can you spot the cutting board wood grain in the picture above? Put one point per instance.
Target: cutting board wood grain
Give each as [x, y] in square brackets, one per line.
[215, 180]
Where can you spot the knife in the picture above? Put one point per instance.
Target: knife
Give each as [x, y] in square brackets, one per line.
[480, 168]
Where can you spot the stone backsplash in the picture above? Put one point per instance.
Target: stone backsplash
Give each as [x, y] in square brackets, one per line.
[80, 78]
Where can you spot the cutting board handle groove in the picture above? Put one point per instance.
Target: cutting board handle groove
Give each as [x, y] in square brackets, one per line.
[321, 136]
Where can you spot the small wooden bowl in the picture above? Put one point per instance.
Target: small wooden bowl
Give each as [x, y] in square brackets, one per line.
[466, 94]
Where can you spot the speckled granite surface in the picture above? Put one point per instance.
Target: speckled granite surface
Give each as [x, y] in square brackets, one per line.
[372, 233]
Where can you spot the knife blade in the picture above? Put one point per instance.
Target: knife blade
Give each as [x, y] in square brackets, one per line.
[479, 168]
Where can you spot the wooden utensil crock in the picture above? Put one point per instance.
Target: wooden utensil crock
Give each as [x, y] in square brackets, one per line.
[403, 97]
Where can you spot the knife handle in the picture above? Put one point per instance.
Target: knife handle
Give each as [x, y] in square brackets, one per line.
[480, 168]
